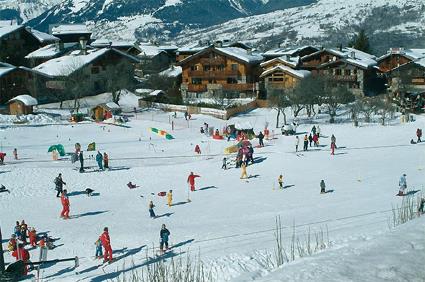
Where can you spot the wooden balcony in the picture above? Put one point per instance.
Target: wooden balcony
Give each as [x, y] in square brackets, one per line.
[196, 88]
[213, 61]
[214, 74]
[347, 78]
[239, 87]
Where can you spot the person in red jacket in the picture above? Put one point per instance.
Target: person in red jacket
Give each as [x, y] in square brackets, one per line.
[197, 149]
[191, 180]
[333, 148]
[106, 243]
[33, 237]
[65, 205]
[22, 254]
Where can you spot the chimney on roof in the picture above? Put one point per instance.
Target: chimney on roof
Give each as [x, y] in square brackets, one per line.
[340, 47]
[83, 46]
[59, 46]
[218, 44]
[353, 54]
[288, 58]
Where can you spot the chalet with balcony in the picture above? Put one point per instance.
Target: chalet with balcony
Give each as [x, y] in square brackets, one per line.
[16, 41]
[397, 57]
[229, 71]
[89, 69]
[347, 66]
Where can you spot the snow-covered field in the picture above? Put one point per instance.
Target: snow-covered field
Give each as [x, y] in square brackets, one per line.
[229, 221]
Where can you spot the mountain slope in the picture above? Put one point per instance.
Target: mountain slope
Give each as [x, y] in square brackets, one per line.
[24, 10]
[326, 23]
[146, 19]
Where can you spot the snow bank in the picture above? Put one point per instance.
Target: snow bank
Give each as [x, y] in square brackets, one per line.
[27, 119]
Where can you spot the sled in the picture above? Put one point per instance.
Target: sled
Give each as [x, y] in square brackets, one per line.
[162, 194]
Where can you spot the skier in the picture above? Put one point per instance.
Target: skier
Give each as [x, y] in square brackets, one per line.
[191, 180]
[305, 142]
[318, 131]
[197, 149]
[202, 130]
[15, 153]
[24, 230]
[333, 139]
[333, 146]
[280, 181]
[313, 129]
[170, 198]
[106, 243]
[33, 237]
[322, 187]
[65, 205]
[186, 114]
[310, 139]
[99, 253]
[316, 140]
[59, 184]
[81, 158]
[419, 135]
[402, 184]
[11, 245]
[22, 254]
[421, 206]
[17, 229]
[151, 212]
[260, 139]
[244, 175]
[99, 160]
[297, 143]
[105, 160]
[163, 235]
[2, 155]
[224, 166]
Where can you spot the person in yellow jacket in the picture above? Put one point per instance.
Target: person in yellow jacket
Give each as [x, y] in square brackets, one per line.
[170, 198]
[243, 168]
[280, 181]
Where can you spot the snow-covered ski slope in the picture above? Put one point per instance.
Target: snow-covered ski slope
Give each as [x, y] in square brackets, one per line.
[230, 221]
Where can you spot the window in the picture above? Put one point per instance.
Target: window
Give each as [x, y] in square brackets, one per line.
[232, 80]
[278, 79]
[347, 72]
[354, 71]
[212, 81]
[338, 71]
[194, 67]
[220, 67]
[207, 68]
[196, 80]
[234, 67]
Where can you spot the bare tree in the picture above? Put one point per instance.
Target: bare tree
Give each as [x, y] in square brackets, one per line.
[117, 78]
[384, 107]
[335, 97]
[278, 99]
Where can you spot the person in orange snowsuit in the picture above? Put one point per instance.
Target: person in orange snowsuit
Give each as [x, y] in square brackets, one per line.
[65, 205]
[106, 243]
[33, 237]
[191, 180]
[22, 254]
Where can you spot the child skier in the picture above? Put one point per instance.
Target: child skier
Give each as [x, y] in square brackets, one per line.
[322, 187]
[280, 181]
[99, 160]
[15, 153]
[33, 237]
[105, 160]
[402, 185]
[197, 149]
[191, 180]
[170, 198]
[99, 252]
[297, 143]
[333, 146]
[244, 175]
[224, 166]
[164, 235]
[11, 245]
[65, 205]
[305, 142]
[106, 243]
[151, 212]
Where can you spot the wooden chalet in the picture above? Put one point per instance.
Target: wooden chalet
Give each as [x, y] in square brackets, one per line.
[92, 68]
[16, 41]
[282, 77]
[71, 32]
[397, 57]
[153, 59]
[215, 71]
[106, 111]
[13, 82]
[49, 52]
[130, 47]
[285, 52]
[22, 105]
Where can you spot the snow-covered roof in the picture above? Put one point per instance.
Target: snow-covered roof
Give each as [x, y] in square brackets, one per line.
[285, 69]
[420, 62]
[192, 48]
[70, 29]
[243, 125]
[65, 65]
[27, 100]
[412, 54]
[278, 52]
[285, 60]
[43, 37]
[173, 71]
[112, 106]
[105, 43]
[5, 69]
[242, 54]
[149, 50]
[5, 30]
[349, 55]
[156, 93]
[49, 51]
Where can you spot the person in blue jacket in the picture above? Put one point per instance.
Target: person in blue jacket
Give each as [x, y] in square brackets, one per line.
[163, 234]
[99, 160]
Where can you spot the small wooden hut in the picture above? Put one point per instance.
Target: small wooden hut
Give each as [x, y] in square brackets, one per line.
[105, 111]
[22, 105]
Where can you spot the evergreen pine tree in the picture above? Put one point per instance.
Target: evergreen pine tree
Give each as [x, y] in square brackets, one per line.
[360, 42]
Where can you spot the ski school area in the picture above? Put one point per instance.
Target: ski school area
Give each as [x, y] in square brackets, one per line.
[224, 216]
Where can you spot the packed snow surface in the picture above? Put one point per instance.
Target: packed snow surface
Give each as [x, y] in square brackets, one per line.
[229, 220]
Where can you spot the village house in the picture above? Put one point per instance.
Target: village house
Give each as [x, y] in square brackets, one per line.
[153, 59]
[352, 68]
[68, 33]
[16, 41]
[49, 52]
[86, 71]
[286, 52]
[396, 57]
[229, 71]
[130, 47]
[13, 81]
